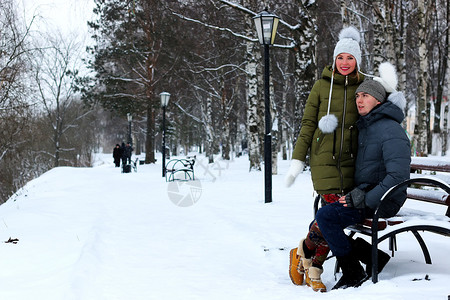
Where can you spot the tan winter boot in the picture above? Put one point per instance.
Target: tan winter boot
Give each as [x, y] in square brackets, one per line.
[296, 271]
[313, 279]
[312, 274]
[307, 263]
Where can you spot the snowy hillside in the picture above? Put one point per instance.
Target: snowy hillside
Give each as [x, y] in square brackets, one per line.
[95, 233]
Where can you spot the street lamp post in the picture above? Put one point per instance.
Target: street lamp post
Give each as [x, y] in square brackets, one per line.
[129, 118]
[164, 101]
[266, 27]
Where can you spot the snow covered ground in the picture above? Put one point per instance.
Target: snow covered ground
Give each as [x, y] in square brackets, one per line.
[95, 233]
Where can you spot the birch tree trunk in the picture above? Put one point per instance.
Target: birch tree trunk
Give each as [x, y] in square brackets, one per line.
[445, 125]
[274, 124]
[445, 132]
[207, 112]
[305, 61]
[261, 108]
[442, 52]
[422, 76]
[226, 139]
[282, 117]
[400, 45]
[253, 58]
[385, 37]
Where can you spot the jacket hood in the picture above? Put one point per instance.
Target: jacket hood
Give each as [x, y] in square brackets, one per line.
[385, 110]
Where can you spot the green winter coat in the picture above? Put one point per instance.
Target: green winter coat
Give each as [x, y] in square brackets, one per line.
[331, 155]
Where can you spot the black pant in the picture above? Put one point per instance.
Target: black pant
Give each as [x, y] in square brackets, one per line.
[117, 162]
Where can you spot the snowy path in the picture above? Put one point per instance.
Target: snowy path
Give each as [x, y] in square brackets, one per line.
[94, 233]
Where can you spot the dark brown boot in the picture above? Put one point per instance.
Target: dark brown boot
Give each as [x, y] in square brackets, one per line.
[363, 251]
[353, 274]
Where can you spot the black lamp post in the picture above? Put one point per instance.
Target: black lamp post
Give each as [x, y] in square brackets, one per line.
[129, 118]
[266, 26]
[164, 101]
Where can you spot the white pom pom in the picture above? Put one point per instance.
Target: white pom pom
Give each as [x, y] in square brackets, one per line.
[389, 77]
[328, 123]
[398, 99]
[350, 33]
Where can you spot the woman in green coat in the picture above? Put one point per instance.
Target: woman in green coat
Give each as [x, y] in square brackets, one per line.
[328, 132]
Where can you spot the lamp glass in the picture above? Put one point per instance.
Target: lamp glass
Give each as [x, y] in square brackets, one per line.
[258, 25]
[266, 27]
[274, 29]
[164, 98]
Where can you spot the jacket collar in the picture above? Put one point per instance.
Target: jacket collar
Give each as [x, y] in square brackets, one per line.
[340, 79]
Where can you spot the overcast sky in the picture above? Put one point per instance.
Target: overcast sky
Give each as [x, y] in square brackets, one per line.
[67, 16]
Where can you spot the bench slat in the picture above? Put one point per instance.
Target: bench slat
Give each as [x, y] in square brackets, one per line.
[437, 168]
[437, 197]
[430, 164]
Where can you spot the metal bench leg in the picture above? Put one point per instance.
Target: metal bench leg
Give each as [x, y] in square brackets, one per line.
[374, 262]
[393, 244]
[426, 254]
[374, 256]
[171, 175]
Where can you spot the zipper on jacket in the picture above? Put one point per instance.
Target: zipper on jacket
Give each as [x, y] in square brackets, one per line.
[334, 145]
[341, 146]
[351, 141]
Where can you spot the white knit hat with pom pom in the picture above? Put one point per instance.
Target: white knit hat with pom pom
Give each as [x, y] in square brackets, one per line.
[349, 39]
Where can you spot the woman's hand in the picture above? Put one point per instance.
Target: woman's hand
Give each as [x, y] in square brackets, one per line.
[342, 201]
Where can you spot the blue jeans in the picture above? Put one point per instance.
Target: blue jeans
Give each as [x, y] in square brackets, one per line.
[332, 220]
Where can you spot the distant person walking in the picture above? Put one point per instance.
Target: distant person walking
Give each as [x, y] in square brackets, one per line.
[117, 155]
[127, 152]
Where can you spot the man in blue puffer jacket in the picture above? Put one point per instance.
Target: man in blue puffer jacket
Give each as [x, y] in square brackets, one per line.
[383, 161]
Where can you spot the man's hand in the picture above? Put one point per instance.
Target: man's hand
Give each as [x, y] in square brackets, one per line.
[354, 199]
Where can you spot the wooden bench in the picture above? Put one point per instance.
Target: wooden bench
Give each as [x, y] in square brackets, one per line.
[432, 188]
[183, 165]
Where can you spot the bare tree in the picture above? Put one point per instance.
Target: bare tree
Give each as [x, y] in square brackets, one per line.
[55, 68]
[15, 110]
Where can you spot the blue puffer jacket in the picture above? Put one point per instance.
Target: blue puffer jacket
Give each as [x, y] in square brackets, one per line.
[383, 158]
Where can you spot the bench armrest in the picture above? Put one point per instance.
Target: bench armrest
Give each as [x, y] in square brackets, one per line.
[419, 180]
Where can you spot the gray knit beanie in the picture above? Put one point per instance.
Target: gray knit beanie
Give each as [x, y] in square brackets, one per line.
[373, 88]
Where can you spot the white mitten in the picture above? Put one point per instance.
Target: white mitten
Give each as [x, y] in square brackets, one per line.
[296, 168]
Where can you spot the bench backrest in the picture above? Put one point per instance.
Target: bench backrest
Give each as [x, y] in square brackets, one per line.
[419, 164]
[429, 164]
